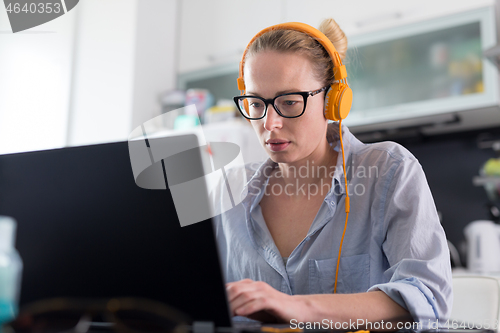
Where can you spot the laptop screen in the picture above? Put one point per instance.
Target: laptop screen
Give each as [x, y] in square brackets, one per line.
[85, 229]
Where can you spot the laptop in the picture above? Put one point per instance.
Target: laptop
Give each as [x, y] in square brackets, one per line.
[86, 230]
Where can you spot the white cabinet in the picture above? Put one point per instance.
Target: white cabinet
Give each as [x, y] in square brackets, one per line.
[424, 69]
[361, 16]
[213, 33]
[216, 32]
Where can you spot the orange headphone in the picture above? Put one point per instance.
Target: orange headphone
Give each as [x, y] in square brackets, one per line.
[338, 98]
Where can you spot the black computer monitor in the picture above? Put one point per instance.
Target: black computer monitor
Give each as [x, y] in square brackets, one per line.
[85, 229]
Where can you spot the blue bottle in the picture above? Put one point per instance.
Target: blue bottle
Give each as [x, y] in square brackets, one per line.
[10, 271]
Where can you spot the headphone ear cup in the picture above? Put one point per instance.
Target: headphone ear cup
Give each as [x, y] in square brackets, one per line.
[343, 101]
[338, 101]
[329, 110]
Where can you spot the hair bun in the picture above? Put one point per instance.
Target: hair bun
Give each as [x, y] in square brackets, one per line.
[338, 38]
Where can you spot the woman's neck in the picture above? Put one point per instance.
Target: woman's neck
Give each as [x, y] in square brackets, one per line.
[318, 168]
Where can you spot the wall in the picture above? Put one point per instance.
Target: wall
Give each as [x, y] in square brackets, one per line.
[155, 56]
[102, 85]
[35, 79]
[124, 59]
[88, 76]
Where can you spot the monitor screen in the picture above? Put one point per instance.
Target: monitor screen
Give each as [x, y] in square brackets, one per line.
[86, 230]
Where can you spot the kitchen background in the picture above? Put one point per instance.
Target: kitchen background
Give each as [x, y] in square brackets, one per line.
[417, 68]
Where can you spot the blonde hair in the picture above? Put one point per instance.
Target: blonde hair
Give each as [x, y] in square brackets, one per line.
[301, 43]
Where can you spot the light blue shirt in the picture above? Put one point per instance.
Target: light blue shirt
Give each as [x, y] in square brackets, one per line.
[394, 241]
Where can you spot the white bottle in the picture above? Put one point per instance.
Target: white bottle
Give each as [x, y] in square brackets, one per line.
[10, 271]
[483, 246]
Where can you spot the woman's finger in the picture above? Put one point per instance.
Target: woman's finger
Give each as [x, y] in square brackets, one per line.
[247, 304]
[244, 297]
[233, 289]
[249, 296]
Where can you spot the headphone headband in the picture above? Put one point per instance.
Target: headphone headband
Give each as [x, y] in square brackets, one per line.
[340, 74]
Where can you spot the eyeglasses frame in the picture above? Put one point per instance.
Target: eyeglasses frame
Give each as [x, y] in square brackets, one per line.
[305, 95]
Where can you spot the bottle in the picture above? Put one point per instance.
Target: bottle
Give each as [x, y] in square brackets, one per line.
[10, 271]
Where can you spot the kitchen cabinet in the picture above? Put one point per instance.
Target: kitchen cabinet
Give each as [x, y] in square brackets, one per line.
[428, 68]
[362, 16]
[216, 32]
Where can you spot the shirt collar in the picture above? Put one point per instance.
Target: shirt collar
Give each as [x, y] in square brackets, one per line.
[349, 141]
[257, 183]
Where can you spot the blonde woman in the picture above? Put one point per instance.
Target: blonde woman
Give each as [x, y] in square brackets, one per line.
[280, 246]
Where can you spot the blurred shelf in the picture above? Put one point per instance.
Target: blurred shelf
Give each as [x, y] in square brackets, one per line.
[483, 180]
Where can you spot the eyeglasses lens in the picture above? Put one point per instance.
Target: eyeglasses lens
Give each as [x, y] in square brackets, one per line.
[290, 105]
[252, 107]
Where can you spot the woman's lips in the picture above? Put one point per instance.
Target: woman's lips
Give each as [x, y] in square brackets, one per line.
[277, 145]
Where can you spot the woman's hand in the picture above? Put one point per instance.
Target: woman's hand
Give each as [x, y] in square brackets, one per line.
[258, 300]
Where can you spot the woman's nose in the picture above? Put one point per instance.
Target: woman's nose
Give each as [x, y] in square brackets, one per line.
[272, 120]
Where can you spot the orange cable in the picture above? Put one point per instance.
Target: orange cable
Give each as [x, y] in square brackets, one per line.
[347, 208]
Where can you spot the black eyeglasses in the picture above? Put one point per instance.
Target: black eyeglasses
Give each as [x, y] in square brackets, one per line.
[290, 105]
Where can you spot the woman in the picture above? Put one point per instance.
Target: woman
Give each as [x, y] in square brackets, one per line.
[279, 247]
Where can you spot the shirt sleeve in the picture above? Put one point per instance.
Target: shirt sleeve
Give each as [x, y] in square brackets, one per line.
[415, 246]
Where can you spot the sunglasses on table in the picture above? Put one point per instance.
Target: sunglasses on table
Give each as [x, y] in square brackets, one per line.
[129, 315]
